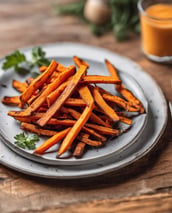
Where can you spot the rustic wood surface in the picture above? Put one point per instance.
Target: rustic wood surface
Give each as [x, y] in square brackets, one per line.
[145, 187]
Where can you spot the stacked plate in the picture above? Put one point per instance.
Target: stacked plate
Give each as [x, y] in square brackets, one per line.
[118, 152]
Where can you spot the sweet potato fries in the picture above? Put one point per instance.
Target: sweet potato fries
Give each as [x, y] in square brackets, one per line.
[67, 105]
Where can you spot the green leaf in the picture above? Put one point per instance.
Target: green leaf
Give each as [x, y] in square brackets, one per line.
[21, 70]
[20, 137]
[75, 8]
[22, 66]
[42, 61]
[20, 140]
[37, 53]
[20, 144]
[33, 137]
[38, 57]
[13, 60]
[26, 141]
[30, 145]
[120, 32]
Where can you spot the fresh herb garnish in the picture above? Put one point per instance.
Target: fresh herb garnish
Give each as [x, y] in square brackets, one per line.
[124, 17]
[21, 65]
[38, 57]
[26, 141]
[15, 60]
[75, 8]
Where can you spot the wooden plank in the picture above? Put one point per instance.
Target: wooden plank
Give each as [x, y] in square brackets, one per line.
[150, 204]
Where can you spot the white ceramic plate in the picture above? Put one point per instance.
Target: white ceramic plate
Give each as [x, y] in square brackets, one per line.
[112, 146]
[157, 119]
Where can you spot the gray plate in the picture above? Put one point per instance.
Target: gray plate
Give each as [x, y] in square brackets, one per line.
[157, 120]
[112, 147]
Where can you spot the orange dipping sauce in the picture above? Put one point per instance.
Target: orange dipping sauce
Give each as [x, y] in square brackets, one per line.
[156, 26]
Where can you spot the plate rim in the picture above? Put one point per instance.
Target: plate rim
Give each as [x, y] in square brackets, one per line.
[90, 159]
[155, 84]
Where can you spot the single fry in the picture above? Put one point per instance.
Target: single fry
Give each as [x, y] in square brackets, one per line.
[86, 95]
[37, 82]
[104, 130]
[11, 101]
[121, 103]
[61, 68]
[79, 149]
[104, 106]
[51, 141]
[43, 68]
[20, 87]
[127, 94]
[75, 102]
[113, 71]
[35, 129]
[33, 118]
[131, 98]
[125, 120]
[96, 79]
[78, 61]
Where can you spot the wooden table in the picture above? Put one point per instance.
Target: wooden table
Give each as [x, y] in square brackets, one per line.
[146, 187]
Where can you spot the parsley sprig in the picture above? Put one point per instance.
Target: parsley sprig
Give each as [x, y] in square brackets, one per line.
[39, 57]
[18, 61]
[26, 141]
[14, 60]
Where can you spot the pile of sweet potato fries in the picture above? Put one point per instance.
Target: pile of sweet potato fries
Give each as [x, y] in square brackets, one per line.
[66, 104]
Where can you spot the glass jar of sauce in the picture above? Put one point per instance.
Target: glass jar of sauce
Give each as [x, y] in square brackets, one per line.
[156, 29]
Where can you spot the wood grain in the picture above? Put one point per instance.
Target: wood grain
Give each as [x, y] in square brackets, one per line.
[144, 187]
[145, 203]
